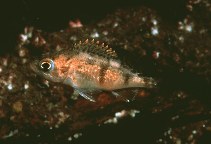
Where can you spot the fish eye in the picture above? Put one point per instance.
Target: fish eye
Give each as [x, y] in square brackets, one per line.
[46, 65]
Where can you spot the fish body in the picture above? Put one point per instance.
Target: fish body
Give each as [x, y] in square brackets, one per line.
[90, 66]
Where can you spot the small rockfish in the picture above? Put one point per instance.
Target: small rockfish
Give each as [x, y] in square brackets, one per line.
[89, 67]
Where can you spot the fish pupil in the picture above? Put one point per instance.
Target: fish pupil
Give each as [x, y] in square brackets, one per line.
[45, 66]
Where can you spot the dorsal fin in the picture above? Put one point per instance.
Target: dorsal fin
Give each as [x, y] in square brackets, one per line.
[96, 48]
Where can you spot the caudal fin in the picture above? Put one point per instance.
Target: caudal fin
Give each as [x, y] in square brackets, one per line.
[146, 82]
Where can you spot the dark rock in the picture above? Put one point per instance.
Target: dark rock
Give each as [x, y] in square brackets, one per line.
[157, 39]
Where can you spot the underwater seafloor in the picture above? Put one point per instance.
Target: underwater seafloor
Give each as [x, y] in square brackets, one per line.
[167, 40]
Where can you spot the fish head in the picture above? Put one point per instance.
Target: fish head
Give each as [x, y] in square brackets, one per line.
[47, 68]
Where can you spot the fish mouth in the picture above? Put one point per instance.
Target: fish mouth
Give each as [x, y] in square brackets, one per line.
[33, 66]
[36, 70]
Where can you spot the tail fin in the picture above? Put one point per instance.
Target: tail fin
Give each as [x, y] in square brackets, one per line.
[139, 81]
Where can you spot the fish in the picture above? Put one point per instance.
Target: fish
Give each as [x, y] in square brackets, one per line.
[90, 66]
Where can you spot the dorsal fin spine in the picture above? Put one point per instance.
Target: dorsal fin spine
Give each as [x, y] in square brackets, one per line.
[95, 48]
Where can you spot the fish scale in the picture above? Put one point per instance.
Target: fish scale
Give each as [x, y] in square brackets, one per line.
[88, 67]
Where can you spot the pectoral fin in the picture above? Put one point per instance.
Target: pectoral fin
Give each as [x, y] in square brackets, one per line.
[87, 96]
[84, 93]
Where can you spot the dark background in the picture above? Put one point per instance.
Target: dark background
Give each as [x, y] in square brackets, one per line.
[51, 15]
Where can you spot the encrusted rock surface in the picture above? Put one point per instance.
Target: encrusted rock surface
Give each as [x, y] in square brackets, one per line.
[176, 52]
